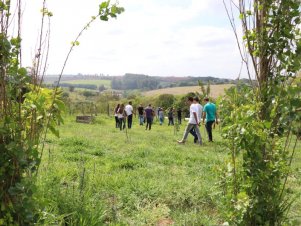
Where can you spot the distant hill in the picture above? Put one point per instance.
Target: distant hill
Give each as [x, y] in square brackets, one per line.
[137, 81]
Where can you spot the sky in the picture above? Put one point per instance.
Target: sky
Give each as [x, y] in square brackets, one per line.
[152, 37]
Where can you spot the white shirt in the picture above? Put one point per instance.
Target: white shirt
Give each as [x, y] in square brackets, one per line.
[200, 111]
[128, 109]
[193, 109]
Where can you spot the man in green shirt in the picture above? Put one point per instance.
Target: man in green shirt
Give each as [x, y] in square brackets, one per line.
[209, 112]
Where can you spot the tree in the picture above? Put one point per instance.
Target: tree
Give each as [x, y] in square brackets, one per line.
[271, 48]
[25, 118]
[165, 100]
[71, 88]
[101, 88]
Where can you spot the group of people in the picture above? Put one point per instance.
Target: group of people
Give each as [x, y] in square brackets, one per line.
[198, 113]
[124, 114]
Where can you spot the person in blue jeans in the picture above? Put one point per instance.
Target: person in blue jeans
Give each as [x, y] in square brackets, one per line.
[196, 102]
[140, 113]
[193, 122]
[161, 115]
[210, 113]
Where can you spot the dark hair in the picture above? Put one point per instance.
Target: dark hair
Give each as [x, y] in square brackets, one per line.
[206, 99]
[130, 102]
[116, 108]
[190, 99]
[196, 99]
[121, 109]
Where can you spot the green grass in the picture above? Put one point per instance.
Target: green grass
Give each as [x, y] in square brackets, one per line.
[106, 83]
[97, 82]
[95, 175]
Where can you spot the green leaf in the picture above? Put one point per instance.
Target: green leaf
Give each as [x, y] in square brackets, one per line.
[267, 125]
[104, 5]
[22, 71]
[104, 18]
[54, 131]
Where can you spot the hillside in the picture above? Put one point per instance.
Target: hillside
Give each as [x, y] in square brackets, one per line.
[216, 90]
[135, 81]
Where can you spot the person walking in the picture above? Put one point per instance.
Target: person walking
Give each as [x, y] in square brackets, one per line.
[192, 123]
[140, 113]
[170, 117]
[179, 116]
[116, 116]
[196, 102]
[161, 115]
[121, 116]
[210, 113]
[129, 114]
[149, 114]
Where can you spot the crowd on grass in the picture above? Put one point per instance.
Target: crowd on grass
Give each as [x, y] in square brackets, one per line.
[198, 115]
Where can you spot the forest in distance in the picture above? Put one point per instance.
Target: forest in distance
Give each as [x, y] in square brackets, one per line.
[137, 81]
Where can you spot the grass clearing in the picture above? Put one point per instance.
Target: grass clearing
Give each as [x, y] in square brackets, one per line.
[106, 83]
[94, 175]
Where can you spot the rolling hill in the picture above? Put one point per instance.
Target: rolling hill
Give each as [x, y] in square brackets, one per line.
[216, 90]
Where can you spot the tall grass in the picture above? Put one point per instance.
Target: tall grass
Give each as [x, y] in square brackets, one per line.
[96, 176]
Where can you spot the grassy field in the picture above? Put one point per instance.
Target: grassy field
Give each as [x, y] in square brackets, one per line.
[106, 83]
[98, 175]
[216, 90]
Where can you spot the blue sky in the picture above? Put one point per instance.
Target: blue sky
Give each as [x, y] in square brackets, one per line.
[153, 37]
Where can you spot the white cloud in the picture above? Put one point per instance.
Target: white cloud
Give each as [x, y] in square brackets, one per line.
[154, 37]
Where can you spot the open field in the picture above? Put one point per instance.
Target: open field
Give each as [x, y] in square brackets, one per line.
[98, 175]
[106, 83]
[216, 90]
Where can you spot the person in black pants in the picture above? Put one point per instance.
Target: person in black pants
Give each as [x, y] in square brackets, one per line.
[116, 116]
[170, 117]
[129, 112]
[210, 113]
[179, 114]
[149, 114]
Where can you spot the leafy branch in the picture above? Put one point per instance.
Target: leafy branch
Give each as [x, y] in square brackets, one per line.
[105, 12]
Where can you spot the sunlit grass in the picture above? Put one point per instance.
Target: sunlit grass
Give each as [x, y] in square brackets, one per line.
[100, 175]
